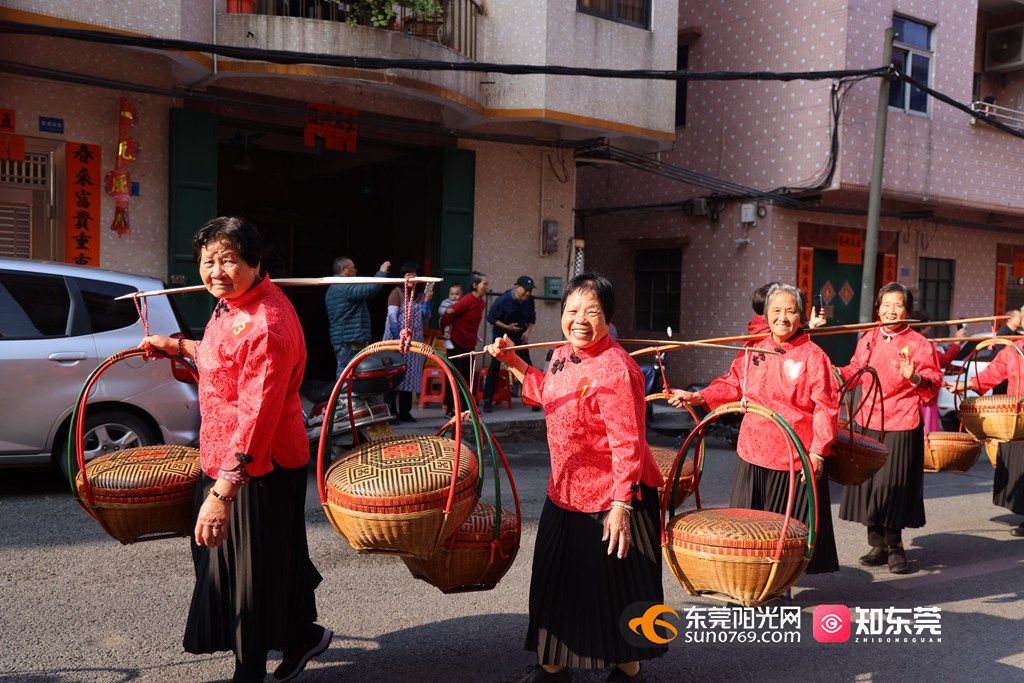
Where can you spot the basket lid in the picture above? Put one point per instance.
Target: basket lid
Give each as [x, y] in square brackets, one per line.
[156, 469]
[995, 403]
[951, 437]
[737, 528]
[860, 441]
[405, 470]
[666, 457]
[479, 526]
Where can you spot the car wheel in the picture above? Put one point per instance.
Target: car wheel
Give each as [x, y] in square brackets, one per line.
[111, 430]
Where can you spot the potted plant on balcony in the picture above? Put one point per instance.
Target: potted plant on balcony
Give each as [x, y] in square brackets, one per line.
[241, 6]
[381, 13]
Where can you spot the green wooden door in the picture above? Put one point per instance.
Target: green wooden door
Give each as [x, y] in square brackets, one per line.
[453, 255]
[192, 202]
[839, 287]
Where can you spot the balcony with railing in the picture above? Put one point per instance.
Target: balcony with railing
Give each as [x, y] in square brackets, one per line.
[1011, 117]
[452, 23]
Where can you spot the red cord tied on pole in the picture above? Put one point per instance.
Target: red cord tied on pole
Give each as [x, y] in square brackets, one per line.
[142, 308]
[405, 336]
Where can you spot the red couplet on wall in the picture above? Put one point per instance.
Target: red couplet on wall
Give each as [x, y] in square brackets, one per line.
[82, 187]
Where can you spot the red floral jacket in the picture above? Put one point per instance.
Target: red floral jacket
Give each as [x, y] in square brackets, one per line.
[901, 400]
[1007, 365]
[798, 385]
[594, 403]
[250, 364]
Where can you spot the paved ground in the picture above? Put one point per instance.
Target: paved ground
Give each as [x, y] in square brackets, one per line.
[76, 606]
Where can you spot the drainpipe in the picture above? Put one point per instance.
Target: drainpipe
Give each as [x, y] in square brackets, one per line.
[213, 75]
[867, 284]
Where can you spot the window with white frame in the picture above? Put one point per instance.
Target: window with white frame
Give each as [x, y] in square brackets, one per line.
[633, 12]
[912, 55]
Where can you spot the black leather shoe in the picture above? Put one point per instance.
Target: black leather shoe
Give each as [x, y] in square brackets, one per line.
[617, 675]
[537, 674]
[1018, 531]
[294, 662]
[488, 407]
[406, 417]
[898, 560]
[876, 557]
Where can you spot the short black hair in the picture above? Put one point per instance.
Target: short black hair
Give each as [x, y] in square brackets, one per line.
[908, 296]
[598, 284]
[760, 296]
[477, 278]
[339, 262]
[409, 267]
[238, 232]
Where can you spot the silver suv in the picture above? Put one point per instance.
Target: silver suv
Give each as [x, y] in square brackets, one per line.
[57, 323]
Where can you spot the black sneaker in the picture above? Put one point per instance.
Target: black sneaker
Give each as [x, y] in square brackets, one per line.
[488, 407]
[617, 675]
[537, 674]
[294, 662]
[1018, 530]
[876, 557]
[898, 560]
[406, 417]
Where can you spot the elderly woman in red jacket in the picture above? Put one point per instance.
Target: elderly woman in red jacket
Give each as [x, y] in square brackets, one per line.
[893, 499]
[798, 384]
[598, 551]
[254, 579]
[1008, 483]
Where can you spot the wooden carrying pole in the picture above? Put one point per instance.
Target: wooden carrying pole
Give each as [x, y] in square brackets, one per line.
[293, 282]
[679, 345]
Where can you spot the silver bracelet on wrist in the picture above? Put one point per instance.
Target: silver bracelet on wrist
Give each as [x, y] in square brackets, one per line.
[622, 505]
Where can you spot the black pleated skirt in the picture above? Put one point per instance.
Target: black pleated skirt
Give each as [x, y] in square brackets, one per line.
[759, 488]
[1008, 482]
[579, 593]
[894, 496]
[254, 592]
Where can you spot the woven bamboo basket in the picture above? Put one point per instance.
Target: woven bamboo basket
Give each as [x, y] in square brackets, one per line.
[855, 458]
[666, 457]
[403, 495]
[953, 451]
[140, 493]
[731, 552]
[992, 450]
[484, 547]
[472, 559]
[737, 555]
[993, 417]
[389, 496]
[137, 494]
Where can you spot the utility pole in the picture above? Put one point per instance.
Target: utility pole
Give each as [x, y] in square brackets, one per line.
[867, 284]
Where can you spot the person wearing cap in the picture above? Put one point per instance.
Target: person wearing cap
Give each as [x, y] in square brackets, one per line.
[512, 313]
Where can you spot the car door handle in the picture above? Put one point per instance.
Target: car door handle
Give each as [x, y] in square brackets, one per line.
[67, 356]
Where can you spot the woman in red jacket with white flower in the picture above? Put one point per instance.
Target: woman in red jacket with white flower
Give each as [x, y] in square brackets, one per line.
[798, 384]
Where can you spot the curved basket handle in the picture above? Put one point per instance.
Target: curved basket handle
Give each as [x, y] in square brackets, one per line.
[76, 430]
[874, 392]
[810, 482]
[325, 430]
[665, 395]
[981, 346]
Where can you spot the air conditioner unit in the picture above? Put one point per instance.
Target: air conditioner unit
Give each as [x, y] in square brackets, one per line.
[1004, 48]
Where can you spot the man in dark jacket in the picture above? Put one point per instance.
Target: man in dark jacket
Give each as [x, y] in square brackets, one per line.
[512, 313]
[347, 313]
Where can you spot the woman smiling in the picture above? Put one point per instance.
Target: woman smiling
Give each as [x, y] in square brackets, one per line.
[798, 385]
[598, 541]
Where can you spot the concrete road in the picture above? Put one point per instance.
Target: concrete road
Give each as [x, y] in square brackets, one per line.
[77, 606]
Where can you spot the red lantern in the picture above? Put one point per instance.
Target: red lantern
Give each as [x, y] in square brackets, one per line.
[118, 184]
